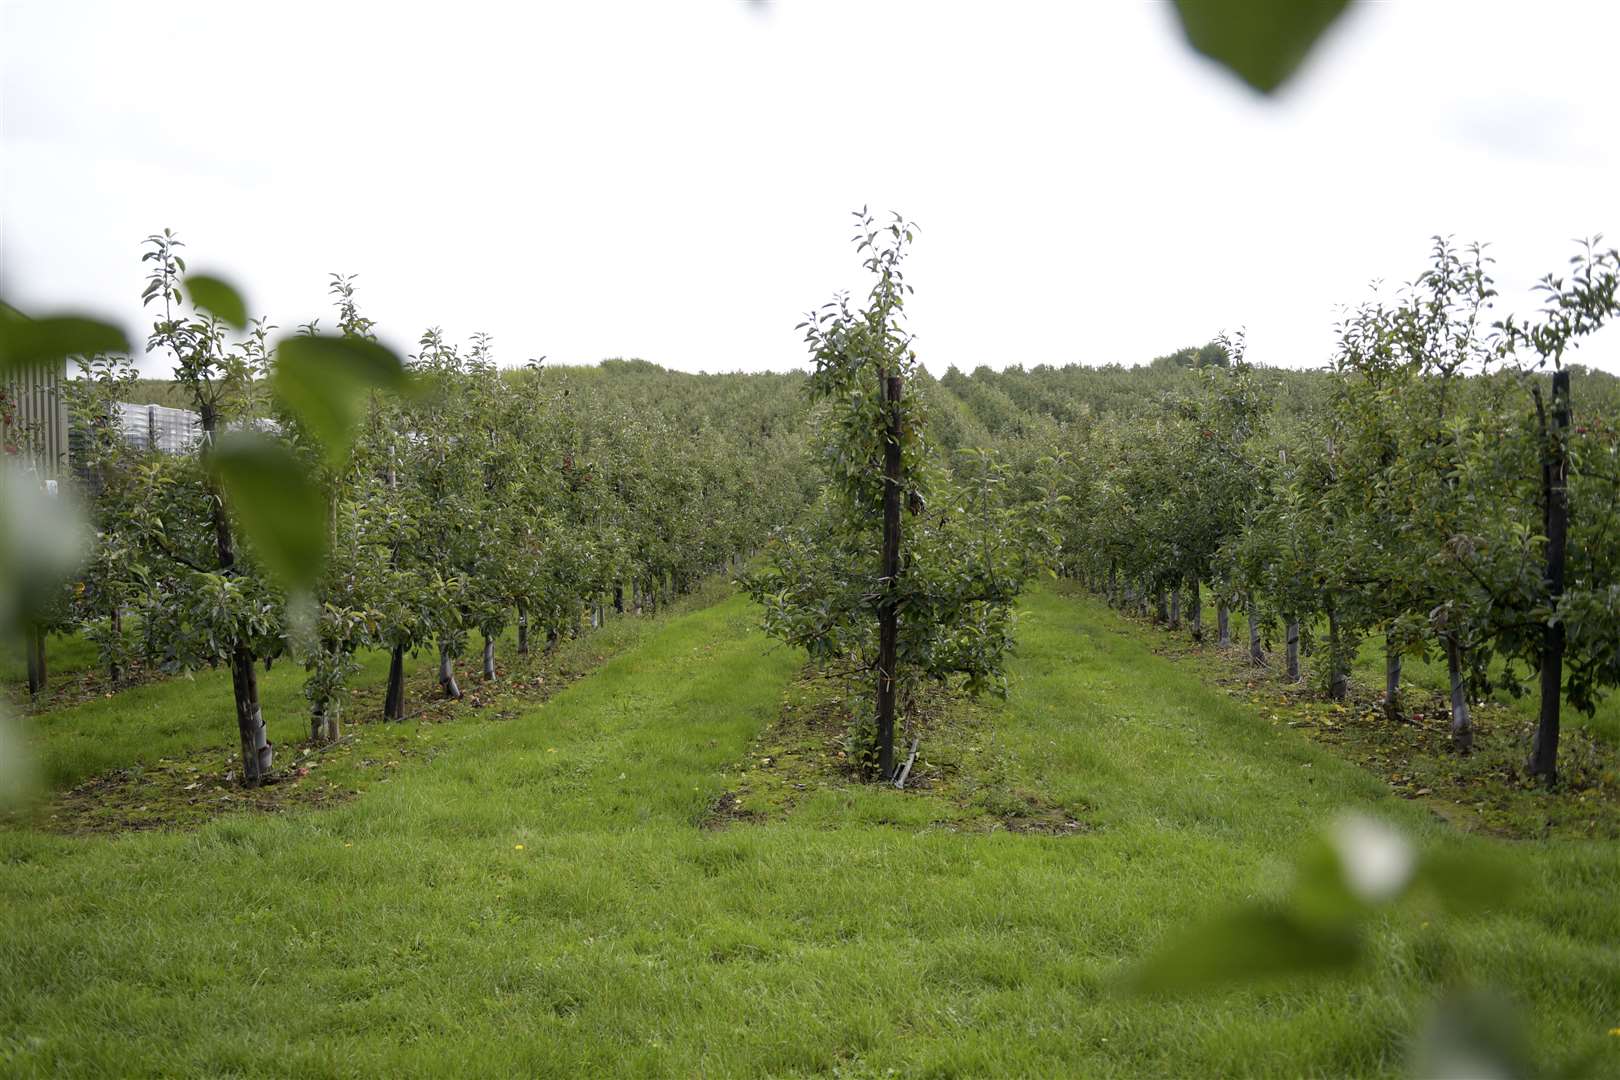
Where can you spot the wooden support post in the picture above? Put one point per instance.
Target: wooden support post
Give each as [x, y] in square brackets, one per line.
[1555, 487]
[888, 611]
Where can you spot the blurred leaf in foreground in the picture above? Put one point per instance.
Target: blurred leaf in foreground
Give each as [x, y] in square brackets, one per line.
[218, 296]
[1473, 1036]
[1260, 41]
[324, 380]
[277, 502]
[1246, 945]
[25, 341]
[42, 539]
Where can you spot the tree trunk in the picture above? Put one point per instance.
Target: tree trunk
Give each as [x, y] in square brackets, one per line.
[1161, 613]
[489, 658]
[1394, 709]
[1113, 595]
[1555, 493]
[1223, 625]
[1175, 607]
[324, 723]
[1291, 641]
[888, 610]
[114, 671]
[618, 599]
[257, 753]
[35, 648]
[394, 702]
[1338, 677]
[1195, 610]
[1257, 653]
[552, 637]
[447, 674]
[1462, 726]
[523, 629]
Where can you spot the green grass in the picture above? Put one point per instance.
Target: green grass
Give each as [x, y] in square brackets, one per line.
[1430, 674]
[178, 715]
[407, 932]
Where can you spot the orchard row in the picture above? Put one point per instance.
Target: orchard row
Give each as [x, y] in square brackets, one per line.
[451, 506]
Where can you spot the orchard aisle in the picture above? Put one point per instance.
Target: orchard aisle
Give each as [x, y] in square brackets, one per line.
[540, 900]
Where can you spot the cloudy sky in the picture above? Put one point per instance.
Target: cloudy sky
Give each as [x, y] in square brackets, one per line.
[673, 180]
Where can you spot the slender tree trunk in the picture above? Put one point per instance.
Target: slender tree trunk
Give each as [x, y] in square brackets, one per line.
[1555, 484]
[1394, 708]
[1161, 613]
[1257, 653]
[394, 702]
[324, 723]
[34, 646]
[1462, 725]
[1338, 677]
[1223, 625]
[115, 671]
[1175, 607]
[618, 599]
[552, 637]
[523, 629]
[334, 721]
[489, 658]
[1195, 609]
[888, 610]
[1291, 642]
[447, 674]
[257, 754]
[1113, 593]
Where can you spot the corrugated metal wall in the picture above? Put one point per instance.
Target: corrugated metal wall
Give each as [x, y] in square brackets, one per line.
[41, 422]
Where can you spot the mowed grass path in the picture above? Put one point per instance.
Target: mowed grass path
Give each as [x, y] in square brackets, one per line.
[408, 933]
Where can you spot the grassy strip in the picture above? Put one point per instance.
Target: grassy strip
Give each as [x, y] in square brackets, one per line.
[189, 721]
[542, 903]
[1486, 790]
[190, 788]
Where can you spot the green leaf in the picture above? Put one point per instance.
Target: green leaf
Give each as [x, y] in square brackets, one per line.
[25, 341]
[278, 503]
[1260, 41]
[215, 295]
[1468, 882]
[1247, 945]
[324, 380]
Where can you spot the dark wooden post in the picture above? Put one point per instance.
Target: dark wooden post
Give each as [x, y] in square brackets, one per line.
[888, 611]
[1555, 488]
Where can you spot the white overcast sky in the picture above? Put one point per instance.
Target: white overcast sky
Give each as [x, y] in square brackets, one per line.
[673, 180]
